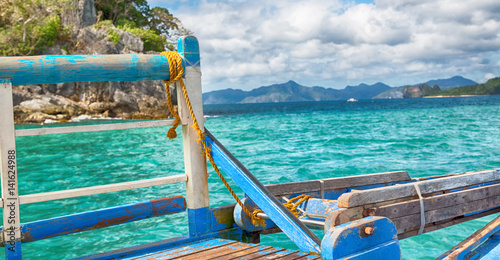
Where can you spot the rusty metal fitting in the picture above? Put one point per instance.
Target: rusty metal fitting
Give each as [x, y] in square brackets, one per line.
[369, 230]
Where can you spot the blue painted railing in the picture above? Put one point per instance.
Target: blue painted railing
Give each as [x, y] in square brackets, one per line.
[90, 220]
[81, 68]
[78, 68]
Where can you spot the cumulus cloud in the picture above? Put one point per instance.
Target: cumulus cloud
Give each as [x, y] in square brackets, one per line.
[246, 44]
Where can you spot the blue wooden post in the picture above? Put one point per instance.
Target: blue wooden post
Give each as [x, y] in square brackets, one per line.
[369, 238]
[194, 159]
[281, 216]
[9, 174]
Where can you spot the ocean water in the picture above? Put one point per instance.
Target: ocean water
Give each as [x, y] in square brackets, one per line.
[277, 143]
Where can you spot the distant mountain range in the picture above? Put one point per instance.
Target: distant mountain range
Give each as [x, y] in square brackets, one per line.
[444, 84]
[294, 92]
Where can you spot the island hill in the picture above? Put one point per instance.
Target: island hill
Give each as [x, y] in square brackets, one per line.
[294, 92]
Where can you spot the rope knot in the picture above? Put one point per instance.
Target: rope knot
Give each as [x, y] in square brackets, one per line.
[172, 134]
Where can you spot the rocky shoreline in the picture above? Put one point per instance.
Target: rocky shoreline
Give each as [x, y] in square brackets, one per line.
[66, 101]
[447, 96]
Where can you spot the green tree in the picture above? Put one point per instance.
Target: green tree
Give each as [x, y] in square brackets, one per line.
[161, 21]
[135, 11]
[28, 26]
[152, 25]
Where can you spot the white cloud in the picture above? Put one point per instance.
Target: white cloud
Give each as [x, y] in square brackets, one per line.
[251, 43]
[488, 76]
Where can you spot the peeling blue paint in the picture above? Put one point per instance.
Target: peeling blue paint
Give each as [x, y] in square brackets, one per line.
[50, 69]
[89, 220]
[188, 47]
[350, 241]
[291, 226]
[199, 221]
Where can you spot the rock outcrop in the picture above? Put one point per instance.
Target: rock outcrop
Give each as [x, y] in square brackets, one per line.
[61, 102]
[84, 14]
[420, 91]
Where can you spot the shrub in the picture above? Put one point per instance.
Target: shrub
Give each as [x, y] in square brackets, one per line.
[152, 41]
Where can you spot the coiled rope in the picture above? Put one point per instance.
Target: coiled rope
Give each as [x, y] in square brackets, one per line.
[176, 71]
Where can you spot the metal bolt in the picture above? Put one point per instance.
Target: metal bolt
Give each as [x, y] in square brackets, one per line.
[369, 230]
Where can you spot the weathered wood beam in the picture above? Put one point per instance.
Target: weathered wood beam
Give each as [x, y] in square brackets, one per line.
[404, 207]
[89, 220]
[435, 202]
[92, 128]
[461, 250]
[9, 175]
[358, 198]
[49, 69]
[410, 222]
[448, 222]
[73, 193]
[337, 183]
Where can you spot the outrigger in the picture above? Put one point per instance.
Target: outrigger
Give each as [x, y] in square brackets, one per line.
[363, 216]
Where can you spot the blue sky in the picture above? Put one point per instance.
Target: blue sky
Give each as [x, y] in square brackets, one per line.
[251, 43]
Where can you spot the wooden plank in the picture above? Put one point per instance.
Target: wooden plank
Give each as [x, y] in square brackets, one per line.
[309, 257]
[472, 241]
[64, 194]
[50, 69]
[435, 202]
[262, 253]
[237, 255]
[337, 183]
[228, 251]
[446, 223]
[282, 254]
[346, 215]
[359, 198]
[9, 174]
[90, 220]
[296, 255]
[92, 128]
[437, 176]
[207, 252]
[186, 249]
[411, 222]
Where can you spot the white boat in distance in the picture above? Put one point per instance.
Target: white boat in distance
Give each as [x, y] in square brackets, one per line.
[352, 100]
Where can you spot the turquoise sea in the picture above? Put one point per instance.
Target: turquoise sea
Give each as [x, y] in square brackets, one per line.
[278, 143]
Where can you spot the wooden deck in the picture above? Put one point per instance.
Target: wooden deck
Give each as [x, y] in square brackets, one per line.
[225, 250]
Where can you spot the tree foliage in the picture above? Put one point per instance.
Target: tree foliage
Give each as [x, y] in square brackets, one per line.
[135, 11]
[161, 21]
[29, 26]
[491, 87]
[153, 26]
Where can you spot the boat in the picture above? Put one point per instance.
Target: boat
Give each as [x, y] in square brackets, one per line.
[352, 100]
[362, 216]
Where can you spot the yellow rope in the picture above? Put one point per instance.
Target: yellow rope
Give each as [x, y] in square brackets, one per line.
[289, 205]
[176, 71]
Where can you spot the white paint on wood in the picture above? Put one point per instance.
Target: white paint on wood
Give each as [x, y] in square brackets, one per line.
[337, 183]
[56, 195]
[92, 128]
[194, 159]
[8, 166]
[364, 197]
